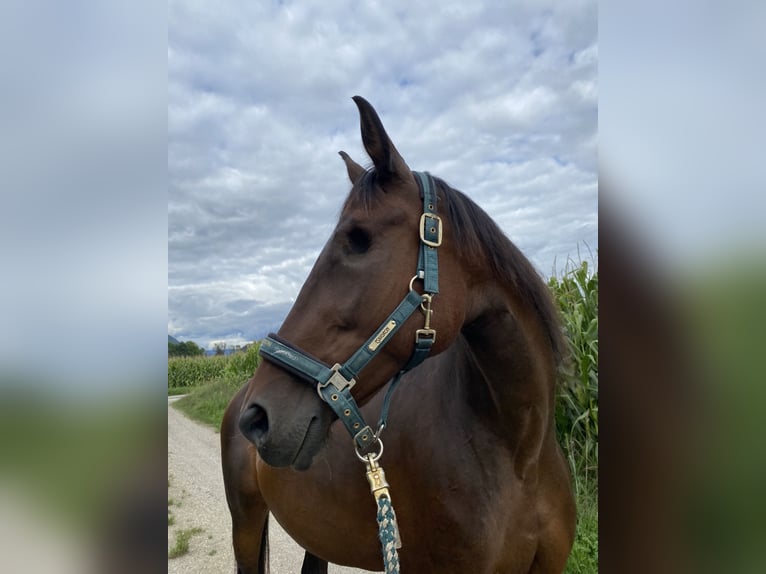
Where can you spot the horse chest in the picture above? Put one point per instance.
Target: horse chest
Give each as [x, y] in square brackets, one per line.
[449, 516]
[328, 510]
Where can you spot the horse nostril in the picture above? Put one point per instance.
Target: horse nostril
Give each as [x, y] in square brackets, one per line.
[254, 424]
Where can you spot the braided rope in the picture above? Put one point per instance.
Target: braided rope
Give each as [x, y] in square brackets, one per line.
[388, 535]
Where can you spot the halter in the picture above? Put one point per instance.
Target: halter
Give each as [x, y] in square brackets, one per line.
[334, 383]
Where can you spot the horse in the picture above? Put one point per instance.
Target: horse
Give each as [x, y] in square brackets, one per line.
[476, 476]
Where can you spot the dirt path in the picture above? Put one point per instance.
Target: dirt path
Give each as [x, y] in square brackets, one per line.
[196, 500]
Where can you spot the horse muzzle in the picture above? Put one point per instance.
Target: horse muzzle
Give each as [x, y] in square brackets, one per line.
[287, 442]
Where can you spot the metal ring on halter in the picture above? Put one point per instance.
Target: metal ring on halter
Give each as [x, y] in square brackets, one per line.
[375, 457]
[416, 277]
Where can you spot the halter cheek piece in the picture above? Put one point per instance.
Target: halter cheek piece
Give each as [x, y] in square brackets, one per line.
[334, 383]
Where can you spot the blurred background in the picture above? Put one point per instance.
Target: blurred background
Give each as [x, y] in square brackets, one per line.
[682, 254]
[83, 296]
[83, 288]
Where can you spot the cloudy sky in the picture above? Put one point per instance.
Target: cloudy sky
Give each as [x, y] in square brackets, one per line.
[497, 98]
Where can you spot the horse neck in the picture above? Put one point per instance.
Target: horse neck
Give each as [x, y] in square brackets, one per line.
[512, 373]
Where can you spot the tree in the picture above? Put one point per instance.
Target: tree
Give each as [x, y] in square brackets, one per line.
[185, 349]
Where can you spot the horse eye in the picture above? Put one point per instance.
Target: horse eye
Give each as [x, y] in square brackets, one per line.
[359, 240]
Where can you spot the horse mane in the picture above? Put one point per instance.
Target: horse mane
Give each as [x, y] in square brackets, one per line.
[478, 237]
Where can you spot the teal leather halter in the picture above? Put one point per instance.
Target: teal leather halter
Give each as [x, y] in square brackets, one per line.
[334, 383]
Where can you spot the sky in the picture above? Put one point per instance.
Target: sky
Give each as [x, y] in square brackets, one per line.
[681, 127]
[500, 99]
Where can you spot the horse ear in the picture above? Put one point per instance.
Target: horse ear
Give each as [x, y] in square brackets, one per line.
[355, 171]
[387, 160]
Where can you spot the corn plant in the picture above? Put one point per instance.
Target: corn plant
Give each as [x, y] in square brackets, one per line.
[244, 363]
[576, 293]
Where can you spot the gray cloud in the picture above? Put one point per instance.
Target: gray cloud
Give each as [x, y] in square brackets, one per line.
[501, 101]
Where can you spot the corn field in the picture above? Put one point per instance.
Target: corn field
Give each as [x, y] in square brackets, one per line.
[194, 371]
[576, 293]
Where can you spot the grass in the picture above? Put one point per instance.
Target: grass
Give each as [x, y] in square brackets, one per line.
[584, 556]
[210, 382]
[181, 546]
[171, 503]
[183, 536]
[208, 402]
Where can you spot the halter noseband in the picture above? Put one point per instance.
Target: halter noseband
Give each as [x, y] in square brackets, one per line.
[334, 383]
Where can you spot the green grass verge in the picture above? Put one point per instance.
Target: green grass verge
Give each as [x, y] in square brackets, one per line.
[173, 391]
[207, 402]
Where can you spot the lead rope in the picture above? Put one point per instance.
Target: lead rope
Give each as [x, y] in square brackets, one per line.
[388, 533]
[388, 528]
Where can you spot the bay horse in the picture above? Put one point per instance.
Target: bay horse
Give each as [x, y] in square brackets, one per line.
[476, 476]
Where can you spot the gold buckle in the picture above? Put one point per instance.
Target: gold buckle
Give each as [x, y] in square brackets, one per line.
[336, 380]
[437, 229]
[425, 334]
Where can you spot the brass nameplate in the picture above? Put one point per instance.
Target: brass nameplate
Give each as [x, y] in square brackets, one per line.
[381, 336]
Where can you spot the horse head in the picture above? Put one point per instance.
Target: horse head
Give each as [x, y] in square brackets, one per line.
[359, 278]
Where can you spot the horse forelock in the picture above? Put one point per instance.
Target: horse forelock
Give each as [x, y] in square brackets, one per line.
[365, 191]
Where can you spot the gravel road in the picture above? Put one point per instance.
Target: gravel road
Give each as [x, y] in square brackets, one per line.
[196, 499]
